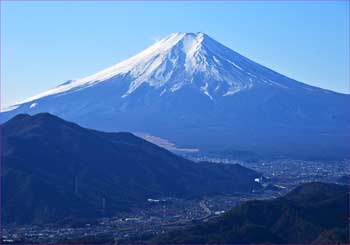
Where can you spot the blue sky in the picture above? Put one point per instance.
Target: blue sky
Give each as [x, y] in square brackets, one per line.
[44, 44]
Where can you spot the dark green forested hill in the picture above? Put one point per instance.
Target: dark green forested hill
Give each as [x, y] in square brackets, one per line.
[312, 213]
[55, 170]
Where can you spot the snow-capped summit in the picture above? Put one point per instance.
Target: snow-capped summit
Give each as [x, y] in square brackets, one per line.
[192, 90]
[178, 60]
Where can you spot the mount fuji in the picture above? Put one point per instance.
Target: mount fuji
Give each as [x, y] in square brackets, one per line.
[195, 92]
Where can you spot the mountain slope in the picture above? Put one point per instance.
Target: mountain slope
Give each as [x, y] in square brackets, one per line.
[53, 169]
[312, 213]
[189, 88]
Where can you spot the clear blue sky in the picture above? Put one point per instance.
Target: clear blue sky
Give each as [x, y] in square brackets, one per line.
[46, 43]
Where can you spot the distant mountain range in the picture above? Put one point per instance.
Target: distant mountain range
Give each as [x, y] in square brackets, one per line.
[56, 171]
[315, 213]
[197, 93]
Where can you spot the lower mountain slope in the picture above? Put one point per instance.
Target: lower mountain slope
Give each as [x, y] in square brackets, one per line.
[312, 213]
[54, 169]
